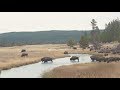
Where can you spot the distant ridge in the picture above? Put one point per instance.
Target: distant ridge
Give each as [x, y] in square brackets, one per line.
[39, 37]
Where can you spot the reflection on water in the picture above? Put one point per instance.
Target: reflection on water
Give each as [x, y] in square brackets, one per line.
[36, 70]
[74, 61]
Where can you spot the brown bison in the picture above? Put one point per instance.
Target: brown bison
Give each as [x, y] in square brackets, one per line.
[98, 58]
[105, 54]
[24, 55]
[46, 59]
[65, 52]
[74, 58]
[74, 47]
[0, 71]
[103, 59]
[23, 50]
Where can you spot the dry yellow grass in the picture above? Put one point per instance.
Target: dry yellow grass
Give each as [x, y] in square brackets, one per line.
[11, 56]
[91, 70]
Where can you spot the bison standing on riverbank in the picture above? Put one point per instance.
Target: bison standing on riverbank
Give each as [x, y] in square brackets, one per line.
[103, 59]
[74, 47]
[24, 55]
[65, 52]
[23, 50]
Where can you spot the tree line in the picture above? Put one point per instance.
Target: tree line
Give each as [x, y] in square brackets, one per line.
[39, 37]
[111, 33]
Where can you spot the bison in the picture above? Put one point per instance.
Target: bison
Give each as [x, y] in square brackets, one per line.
[98, 58]
[111, 59]
[103, 59]
[65, 52]
[74, 58]
[23, 50]
[24, 55]
[93, 58]
[0, 71]
[74, 47]
[105, 54]
[46, 59]
[91, 48]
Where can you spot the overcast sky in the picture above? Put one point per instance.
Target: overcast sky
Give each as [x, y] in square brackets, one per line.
[41, 21]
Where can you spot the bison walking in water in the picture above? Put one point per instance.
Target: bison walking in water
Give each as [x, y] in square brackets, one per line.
[0, 71]
[46, 59]
[74, 58]
[24, 55]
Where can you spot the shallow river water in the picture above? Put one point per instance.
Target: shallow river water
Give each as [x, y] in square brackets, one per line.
[36, 70]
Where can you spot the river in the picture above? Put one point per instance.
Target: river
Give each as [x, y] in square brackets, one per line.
[36, 70]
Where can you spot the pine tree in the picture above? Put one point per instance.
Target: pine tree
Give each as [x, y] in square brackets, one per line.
[95, 34]
[111, 32]
[71, 42]
[93, 22]
[83, 42]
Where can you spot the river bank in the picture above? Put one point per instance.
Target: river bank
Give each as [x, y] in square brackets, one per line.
[88, 70]
[37, 70]
[10, 57]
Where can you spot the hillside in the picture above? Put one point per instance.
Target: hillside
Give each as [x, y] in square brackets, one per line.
[40, 37]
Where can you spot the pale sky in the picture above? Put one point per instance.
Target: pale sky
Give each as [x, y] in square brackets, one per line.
[41, 21]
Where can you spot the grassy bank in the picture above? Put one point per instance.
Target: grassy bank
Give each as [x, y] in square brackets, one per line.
[11, 56]
[88, 70]
[91, 70]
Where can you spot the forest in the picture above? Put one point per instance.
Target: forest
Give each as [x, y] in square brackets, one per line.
[41, 37]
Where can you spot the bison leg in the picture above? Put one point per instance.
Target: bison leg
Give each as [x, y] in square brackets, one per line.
[78, 59]
[44, 61]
